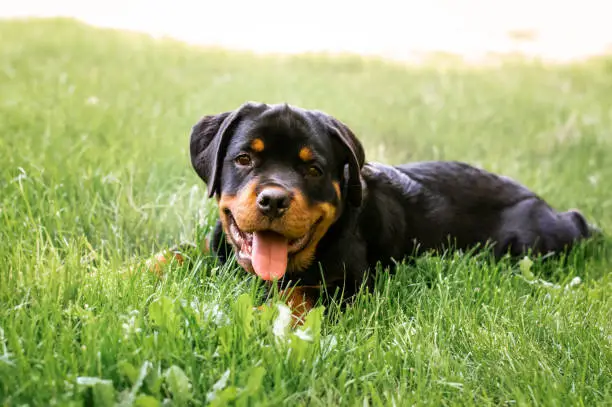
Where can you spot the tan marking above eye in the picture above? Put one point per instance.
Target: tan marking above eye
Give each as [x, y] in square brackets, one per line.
[257, 145]
[306, 154]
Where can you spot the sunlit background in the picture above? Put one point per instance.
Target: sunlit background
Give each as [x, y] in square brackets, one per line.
[553, 30]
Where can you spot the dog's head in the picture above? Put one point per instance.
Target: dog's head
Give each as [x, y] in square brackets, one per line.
[281, 175]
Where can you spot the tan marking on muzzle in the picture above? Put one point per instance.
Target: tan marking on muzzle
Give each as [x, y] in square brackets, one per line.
[296, 222]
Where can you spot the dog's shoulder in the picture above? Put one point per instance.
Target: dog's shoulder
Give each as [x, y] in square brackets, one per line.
[386, 181]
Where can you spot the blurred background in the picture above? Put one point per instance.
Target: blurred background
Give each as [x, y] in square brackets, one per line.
[549, 29]
[98, 97]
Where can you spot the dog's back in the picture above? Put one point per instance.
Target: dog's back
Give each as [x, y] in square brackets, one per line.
[438, 204]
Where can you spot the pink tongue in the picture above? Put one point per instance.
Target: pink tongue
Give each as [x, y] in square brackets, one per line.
[269, 256]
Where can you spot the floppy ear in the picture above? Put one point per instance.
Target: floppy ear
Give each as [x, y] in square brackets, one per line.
[209, 140]
[355, 159]
[201, 150]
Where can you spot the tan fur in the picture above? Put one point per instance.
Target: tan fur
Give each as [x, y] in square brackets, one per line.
[257, 145]
[337, 189]
[305, 154]
[160, 260]
[300, 300]
[325, 213]
[297, 221]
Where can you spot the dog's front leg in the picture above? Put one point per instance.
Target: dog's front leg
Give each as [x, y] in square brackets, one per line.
[300, 299]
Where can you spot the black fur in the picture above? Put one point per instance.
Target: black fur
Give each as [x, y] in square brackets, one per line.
[386, 212]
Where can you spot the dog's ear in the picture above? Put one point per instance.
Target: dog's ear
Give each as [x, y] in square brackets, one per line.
[355, 158]
[209, 140]
[201, 146]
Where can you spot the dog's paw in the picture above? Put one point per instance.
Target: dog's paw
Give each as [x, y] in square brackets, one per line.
[162, 259]
[301, 300]
[178, 254]
[299, 307]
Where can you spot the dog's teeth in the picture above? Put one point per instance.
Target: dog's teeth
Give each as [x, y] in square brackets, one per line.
[298, 243]
[235, 233]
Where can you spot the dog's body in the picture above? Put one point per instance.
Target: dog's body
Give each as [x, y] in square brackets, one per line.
[299, 205]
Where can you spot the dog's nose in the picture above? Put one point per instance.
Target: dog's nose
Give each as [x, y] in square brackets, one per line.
[273, 201]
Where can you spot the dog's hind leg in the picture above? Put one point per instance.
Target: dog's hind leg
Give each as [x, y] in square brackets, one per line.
[533, 225]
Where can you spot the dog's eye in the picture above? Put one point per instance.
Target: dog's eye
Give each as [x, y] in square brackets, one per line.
[243, 159]
[314, 171]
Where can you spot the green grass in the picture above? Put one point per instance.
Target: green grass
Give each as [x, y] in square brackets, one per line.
[95, 177]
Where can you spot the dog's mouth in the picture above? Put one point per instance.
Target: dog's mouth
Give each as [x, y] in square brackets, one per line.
[265, 252]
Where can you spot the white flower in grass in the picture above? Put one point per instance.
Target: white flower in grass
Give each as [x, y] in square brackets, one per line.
[328, 343]
[210, 312]
[218, 386]
[130, 326]
[305, 335]
[214, 313]
[22, 175]
[281, 323]
[575, 281]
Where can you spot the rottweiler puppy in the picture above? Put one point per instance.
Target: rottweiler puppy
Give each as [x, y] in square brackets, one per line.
[300, 207]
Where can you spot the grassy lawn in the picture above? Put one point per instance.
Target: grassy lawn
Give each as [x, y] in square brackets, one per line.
[95, 177]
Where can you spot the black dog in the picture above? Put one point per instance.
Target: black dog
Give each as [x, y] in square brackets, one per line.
[298, 203]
